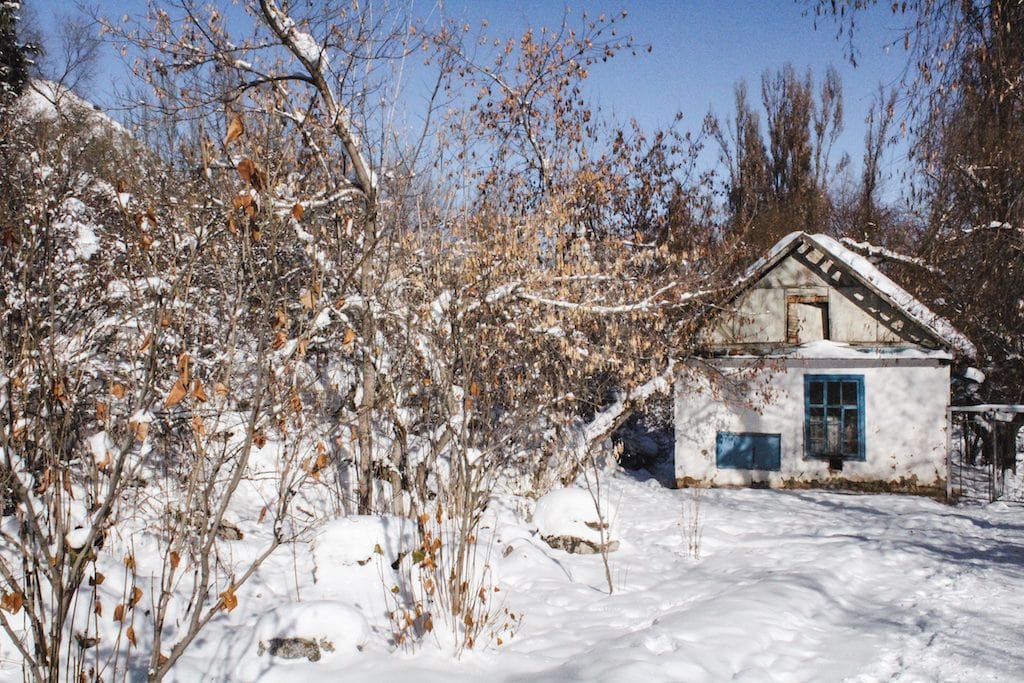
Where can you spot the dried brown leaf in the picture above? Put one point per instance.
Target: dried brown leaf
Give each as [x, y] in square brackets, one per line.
[12, 602]
[235, 129]
[141, 429]
[245, 169]
[178, 392]
[230, 600]
[59, 392]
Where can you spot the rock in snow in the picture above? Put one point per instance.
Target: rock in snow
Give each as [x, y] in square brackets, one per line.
[308, 630]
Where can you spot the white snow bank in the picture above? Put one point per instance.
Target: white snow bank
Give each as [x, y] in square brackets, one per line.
[337, 629]
[47, 100]
[102, 446]
[356, 539]
[573, 512]
[341, 625]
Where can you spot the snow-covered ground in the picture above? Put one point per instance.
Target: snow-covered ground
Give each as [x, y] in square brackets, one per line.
[789, 586]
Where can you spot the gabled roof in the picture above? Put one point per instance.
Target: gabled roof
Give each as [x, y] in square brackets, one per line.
[870, 276]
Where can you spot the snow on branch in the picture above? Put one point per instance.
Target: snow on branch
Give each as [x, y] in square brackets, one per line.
[302, 44]
[889, 255]
[609, 417]
[647, 303]
[993, 225]
[315, 62]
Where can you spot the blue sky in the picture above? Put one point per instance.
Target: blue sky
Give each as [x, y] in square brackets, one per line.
[700, 49]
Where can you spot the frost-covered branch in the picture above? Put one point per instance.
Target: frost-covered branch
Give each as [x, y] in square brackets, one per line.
[992, 225]
[585, 435]
[647, 303]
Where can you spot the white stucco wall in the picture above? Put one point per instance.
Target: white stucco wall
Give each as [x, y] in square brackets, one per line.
[905, 406]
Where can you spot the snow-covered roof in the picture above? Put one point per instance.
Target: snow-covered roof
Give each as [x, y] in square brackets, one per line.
[827, 349]
[871, 277]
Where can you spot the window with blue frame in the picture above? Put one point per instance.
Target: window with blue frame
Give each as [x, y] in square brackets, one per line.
[834, 420]
[748, 451]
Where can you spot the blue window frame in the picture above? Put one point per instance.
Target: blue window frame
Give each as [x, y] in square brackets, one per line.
[834, 416]
[748, 451]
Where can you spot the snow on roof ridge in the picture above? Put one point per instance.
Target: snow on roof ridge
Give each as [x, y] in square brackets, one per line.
[885, 286]
[769, 256]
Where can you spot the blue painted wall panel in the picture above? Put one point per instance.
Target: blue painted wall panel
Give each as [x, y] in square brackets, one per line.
[748, 451]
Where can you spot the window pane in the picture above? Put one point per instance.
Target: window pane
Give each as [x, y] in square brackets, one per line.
[851, 445]
[832, 396]
[833, 429]
[849, 393]
[817, 434]
[817, 392]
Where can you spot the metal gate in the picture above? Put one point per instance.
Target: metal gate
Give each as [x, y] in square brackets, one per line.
[986, 458]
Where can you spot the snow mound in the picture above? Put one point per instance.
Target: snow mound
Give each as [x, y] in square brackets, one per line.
[297, 637]
[572, 512]
[356, 539]
[48, 100]
[340, 625]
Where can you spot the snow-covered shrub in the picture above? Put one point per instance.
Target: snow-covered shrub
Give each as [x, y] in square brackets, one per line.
[446, 587]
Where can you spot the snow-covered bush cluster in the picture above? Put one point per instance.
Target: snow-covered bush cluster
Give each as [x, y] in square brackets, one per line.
[245, 318]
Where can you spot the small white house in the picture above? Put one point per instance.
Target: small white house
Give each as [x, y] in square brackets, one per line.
[819, 371]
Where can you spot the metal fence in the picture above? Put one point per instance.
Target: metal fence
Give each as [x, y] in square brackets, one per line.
[986, 453]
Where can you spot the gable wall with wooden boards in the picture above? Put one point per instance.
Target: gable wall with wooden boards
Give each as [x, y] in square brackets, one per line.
[787, 304]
